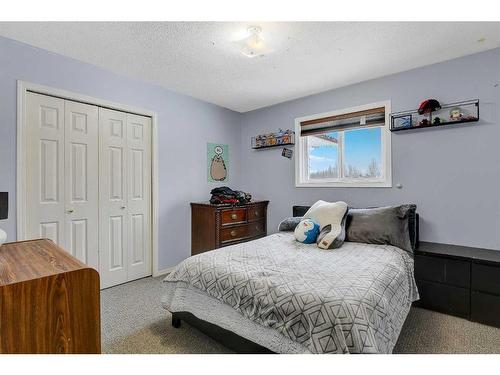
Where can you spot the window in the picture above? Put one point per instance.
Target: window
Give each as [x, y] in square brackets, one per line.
[347, 148]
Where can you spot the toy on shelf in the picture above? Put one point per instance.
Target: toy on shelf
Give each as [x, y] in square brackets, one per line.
[455, 114]
[280, 138]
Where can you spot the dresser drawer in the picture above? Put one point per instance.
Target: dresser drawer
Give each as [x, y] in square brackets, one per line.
[234, 233]
[256, 228]
[255, 213]
[486, 278]
[234, 216]
[444, 298]
[442, 270]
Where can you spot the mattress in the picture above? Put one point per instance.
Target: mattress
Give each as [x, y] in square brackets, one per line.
[295, 298]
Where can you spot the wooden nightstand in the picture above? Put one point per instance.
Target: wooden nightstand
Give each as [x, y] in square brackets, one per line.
[49, 301]
[214, 226]
[459, 280]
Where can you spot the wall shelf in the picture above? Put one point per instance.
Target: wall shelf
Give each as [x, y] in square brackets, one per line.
[449, 114]
[273, 146]
[279, 139]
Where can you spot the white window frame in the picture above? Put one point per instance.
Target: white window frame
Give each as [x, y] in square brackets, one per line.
[301, 162]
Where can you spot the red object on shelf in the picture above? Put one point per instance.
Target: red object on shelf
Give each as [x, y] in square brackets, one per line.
[428, 105]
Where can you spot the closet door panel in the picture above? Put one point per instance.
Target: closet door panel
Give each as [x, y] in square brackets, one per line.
[45, 168]
[81, 181]
[113, 212]
[139, 195]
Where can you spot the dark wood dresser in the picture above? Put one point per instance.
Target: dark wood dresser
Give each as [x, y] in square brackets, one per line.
[49, 301]
[214, 226]
[459, 280]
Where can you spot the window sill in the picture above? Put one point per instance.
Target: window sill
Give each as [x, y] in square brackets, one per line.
[346, 184]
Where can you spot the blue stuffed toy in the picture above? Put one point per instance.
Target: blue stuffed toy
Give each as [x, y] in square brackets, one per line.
[307, 231]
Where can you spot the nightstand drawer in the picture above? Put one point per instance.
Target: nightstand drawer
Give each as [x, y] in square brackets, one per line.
[235, 216]
[485, 308]
[442, 270]
[444, 298]
[256, 213]
[459, 280]
[486, 278]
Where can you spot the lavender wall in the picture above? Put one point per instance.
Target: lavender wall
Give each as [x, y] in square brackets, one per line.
[185, 125]
[452, 173]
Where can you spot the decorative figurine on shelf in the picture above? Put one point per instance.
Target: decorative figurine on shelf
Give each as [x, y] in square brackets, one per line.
[436, 121]
[279, 136]
[423, 122]
[428, 106]
[258, 141]
[272, 139]
[455, 114]
[287, 137]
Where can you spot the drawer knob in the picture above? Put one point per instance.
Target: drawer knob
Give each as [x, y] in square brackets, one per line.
[256, 213]
[234, 216]
[257, 227]
[233, 233]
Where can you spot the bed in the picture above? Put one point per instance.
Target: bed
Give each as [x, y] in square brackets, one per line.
[277, 295]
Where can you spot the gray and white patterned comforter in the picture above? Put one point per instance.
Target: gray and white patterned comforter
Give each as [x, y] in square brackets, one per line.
[354, 299]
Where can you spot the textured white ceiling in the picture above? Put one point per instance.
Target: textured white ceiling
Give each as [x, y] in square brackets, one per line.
[201, 60]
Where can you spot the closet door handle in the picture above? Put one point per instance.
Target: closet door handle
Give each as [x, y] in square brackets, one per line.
[70, 211]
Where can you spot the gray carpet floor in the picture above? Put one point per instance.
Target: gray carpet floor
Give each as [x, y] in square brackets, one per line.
[133, 321]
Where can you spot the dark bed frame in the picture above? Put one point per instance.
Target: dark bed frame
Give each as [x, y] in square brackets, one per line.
[227, 338]
[235, 342]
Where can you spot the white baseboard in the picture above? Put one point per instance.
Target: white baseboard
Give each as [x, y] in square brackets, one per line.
[164, 271]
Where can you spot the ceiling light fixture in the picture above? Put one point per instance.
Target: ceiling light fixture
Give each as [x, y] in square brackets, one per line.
[253, 45]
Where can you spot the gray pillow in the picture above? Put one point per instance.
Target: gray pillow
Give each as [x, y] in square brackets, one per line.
[337, 242]
[289, 224]
[382, 225]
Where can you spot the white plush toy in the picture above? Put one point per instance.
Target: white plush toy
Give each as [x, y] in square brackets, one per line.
[333, 214]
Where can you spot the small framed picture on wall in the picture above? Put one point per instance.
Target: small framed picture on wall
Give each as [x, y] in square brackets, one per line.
[403, 121]
[217, 162]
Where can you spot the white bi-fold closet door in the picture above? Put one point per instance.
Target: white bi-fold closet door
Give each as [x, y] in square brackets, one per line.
[124, 196]
[62, 175]
[89, 184]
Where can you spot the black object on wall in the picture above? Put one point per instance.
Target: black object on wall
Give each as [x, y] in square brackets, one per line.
[4, 205]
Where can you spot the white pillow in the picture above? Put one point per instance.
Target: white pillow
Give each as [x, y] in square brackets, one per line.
[327, 213]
